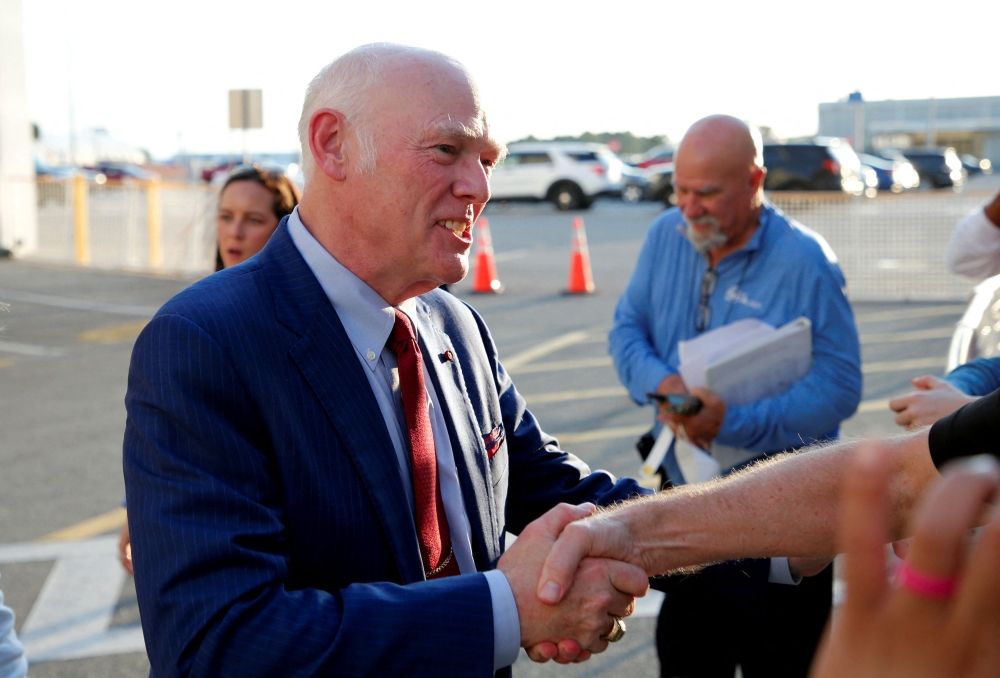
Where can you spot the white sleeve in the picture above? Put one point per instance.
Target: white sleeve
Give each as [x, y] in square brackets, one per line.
[12, 661]
[974, 249]
[506, 622]
[781, 573]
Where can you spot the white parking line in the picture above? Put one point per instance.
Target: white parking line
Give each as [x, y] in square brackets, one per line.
[78, 304]
[71, 618]
[543, 349]
[30, 349]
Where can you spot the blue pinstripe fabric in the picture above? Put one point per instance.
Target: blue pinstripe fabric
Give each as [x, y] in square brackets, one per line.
[270, 532]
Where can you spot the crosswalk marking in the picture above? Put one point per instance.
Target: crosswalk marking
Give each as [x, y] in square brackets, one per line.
[71, 618]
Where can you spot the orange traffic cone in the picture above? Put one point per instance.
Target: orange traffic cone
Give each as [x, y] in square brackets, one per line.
[485, 276]
[580, 279]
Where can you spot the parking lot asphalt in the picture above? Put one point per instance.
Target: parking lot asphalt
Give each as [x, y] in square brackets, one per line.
[64, 353]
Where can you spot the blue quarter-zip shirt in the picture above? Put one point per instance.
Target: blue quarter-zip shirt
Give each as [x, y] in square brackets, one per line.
[785, 271]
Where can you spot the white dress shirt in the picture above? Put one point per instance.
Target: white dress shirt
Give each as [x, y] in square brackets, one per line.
[974, 249]
[368, 320]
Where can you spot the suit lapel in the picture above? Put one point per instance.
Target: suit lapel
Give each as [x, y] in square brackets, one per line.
[326, 359]
[466, 441]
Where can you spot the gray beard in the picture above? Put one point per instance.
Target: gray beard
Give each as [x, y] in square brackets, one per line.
[704, 242]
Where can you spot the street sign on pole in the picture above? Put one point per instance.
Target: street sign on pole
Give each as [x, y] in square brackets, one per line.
[245, 112]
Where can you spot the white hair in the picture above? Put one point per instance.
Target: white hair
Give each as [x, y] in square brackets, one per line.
[345, 85]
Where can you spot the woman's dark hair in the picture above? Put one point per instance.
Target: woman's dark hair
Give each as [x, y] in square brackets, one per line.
[283, 191]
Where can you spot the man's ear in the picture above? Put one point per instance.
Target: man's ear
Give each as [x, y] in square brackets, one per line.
[757, 178]
[327, 137]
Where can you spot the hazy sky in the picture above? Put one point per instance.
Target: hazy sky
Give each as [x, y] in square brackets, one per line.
[157, 74]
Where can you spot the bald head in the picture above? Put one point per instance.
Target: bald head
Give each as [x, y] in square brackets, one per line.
[719, 183]
[370, 80]
[724, 142]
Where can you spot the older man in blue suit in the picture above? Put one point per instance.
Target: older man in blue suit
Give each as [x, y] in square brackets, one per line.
[323, 453]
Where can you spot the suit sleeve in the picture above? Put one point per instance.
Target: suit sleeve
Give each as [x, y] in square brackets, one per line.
[828, 394]
[541, 474]
[212, 566]
[978, 378]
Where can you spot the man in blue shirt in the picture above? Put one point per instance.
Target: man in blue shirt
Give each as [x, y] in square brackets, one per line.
[723, 255]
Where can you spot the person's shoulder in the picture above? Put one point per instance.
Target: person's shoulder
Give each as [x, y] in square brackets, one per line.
[211, 300]
[811, 247]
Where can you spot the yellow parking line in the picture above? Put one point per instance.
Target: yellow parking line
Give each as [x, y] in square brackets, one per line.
[903, 365]
[601, 434]
[106, 522]
[4, 362]
[908, 313]
[915, 335]
[564, 396]
[557, 365]
[115, 334]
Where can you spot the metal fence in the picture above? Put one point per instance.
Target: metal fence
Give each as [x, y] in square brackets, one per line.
[891, 247]
[154, 225]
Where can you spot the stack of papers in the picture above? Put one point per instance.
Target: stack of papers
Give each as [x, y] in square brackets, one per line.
[747, 360]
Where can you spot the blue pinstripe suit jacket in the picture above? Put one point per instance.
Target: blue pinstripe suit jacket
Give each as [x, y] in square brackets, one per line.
[270, 529]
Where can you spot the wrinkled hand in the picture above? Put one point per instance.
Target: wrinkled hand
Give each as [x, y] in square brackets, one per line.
[600, 536]
[601, 588]
[882, 632]
[125, 550]
[932, 400]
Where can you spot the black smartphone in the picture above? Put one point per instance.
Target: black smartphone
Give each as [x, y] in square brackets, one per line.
[681, 404]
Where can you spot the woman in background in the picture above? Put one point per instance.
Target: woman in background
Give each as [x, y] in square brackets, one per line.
[251, 204]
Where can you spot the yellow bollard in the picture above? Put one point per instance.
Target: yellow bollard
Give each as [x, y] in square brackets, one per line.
[81, 221]
[154, 224]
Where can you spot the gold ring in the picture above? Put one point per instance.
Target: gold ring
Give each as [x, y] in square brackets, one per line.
[617, 631]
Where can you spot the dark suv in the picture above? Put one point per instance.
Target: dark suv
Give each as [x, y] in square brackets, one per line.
[940, 168]
[831, 166]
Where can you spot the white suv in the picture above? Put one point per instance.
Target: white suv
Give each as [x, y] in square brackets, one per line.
[569, 173]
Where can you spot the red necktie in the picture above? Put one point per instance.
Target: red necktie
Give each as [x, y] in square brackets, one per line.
[432, 523]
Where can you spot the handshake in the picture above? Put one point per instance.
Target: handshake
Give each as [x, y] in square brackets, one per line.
[575, 572]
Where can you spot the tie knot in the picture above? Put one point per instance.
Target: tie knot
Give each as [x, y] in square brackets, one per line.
[402, 332]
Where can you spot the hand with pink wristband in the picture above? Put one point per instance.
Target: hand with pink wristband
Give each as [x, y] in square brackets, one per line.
[941, 616]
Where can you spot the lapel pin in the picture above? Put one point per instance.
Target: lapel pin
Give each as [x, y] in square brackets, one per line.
[447, 357]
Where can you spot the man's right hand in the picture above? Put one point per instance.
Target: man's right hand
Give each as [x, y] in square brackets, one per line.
[600, 589]
[932, 400]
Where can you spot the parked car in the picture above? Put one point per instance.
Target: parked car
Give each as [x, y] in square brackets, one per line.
[893, 175]
[826, 165]
[634, 184]
[941, 168]
[974, 165]
[657, 155]
[119, 172]
[52, 187]
[976, 334]
[570, 174]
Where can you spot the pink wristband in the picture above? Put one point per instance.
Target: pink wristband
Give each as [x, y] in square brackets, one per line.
[923, 584]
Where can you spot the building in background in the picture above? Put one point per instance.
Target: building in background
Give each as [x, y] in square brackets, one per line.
[18, 215]
[970, 125]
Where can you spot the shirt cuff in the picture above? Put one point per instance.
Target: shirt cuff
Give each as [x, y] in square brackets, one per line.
[781, 573]
[506, 623]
